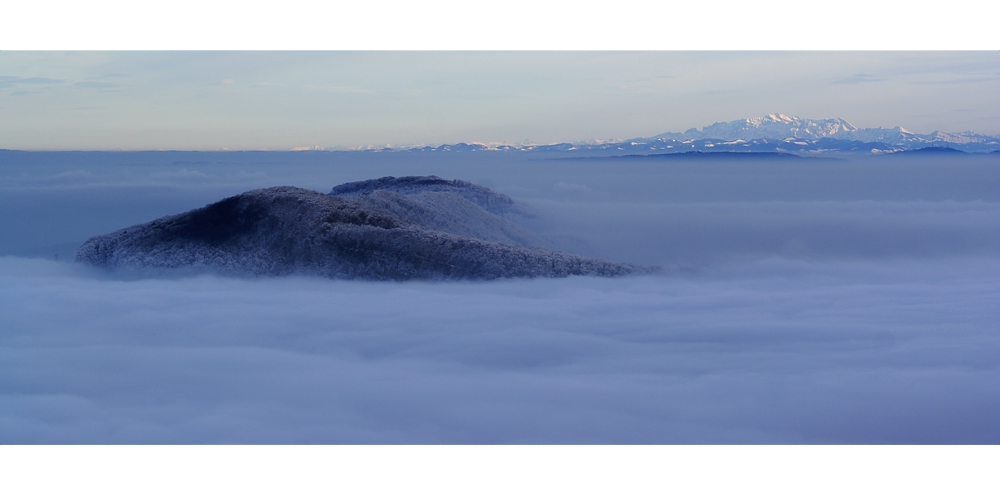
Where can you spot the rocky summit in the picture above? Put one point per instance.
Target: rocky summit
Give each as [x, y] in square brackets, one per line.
[385, 229]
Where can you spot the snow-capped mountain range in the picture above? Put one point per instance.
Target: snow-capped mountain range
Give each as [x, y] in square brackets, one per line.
[782, 127]
[774, 133]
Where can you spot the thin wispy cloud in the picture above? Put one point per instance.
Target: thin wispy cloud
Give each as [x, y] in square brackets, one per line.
[8, 81]
[94, 85]
[858, 79]
[30, 85]
[337, 89]
[961, 80]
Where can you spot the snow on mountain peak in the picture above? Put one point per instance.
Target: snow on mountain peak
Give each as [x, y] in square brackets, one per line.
[780, 127]
[772, 126]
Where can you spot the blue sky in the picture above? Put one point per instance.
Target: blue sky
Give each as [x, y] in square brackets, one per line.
[333, 99]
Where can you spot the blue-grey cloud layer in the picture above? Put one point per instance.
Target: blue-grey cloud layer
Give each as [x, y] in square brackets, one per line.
[820, 302]
[775, 351]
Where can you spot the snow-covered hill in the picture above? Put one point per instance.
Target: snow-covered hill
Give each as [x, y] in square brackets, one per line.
[383, 229]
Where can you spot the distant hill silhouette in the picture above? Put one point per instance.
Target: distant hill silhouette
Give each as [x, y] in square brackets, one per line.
[936, 150]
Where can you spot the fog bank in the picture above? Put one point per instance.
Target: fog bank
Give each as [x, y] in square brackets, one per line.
[774, 351]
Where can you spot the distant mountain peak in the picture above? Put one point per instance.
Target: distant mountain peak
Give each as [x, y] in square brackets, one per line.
[772, 126]
[775, 117]
[779, 127]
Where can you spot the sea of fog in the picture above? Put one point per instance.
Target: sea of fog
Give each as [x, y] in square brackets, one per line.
[800, 301]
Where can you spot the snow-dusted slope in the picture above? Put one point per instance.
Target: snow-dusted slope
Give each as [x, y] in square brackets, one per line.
[287, 230]
[452, 206]
[489, 200]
